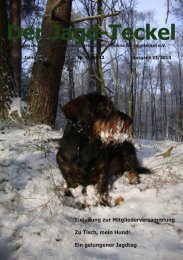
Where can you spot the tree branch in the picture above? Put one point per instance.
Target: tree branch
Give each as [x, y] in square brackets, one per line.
[55, 17]
[168, 10]
[166, 153]
[79, 20]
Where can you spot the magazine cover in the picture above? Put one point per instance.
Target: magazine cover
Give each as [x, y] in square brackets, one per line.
[91, 129]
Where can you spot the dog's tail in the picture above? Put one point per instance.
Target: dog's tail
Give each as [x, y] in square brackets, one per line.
[143, 170]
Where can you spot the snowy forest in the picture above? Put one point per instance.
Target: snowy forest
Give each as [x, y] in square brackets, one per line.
[41, 74]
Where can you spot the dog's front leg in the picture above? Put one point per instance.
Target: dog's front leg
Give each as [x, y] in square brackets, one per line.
[102, 183]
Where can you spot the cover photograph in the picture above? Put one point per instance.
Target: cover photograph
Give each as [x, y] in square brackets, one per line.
[91, 129]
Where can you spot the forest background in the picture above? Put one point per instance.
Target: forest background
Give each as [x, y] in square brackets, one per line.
[38, 75]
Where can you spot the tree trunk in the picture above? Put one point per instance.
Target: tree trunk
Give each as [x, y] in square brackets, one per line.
[180, 109]
[91, 63]
[131, 85]
[163, 110]
[100, 79]
[16, 50]
[140, 105]
[7, 83]
[71, 87]
[153, 108]
[47, 68]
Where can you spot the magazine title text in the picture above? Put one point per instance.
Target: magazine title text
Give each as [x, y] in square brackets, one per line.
[79, 35]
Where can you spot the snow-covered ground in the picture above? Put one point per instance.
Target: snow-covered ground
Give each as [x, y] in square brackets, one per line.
[37, 223]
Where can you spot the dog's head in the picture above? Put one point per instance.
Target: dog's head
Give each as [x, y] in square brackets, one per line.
[88, 108]
[101, 106]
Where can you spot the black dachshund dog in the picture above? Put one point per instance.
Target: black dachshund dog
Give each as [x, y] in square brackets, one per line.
[94, 145]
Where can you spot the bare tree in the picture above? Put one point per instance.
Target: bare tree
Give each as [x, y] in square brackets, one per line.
[163, 109]
[7, 83]
[47, 68]
[16, 49]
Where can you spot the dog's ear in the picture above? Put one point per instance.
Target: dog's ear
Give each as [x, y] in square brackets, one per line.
[77, 109]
